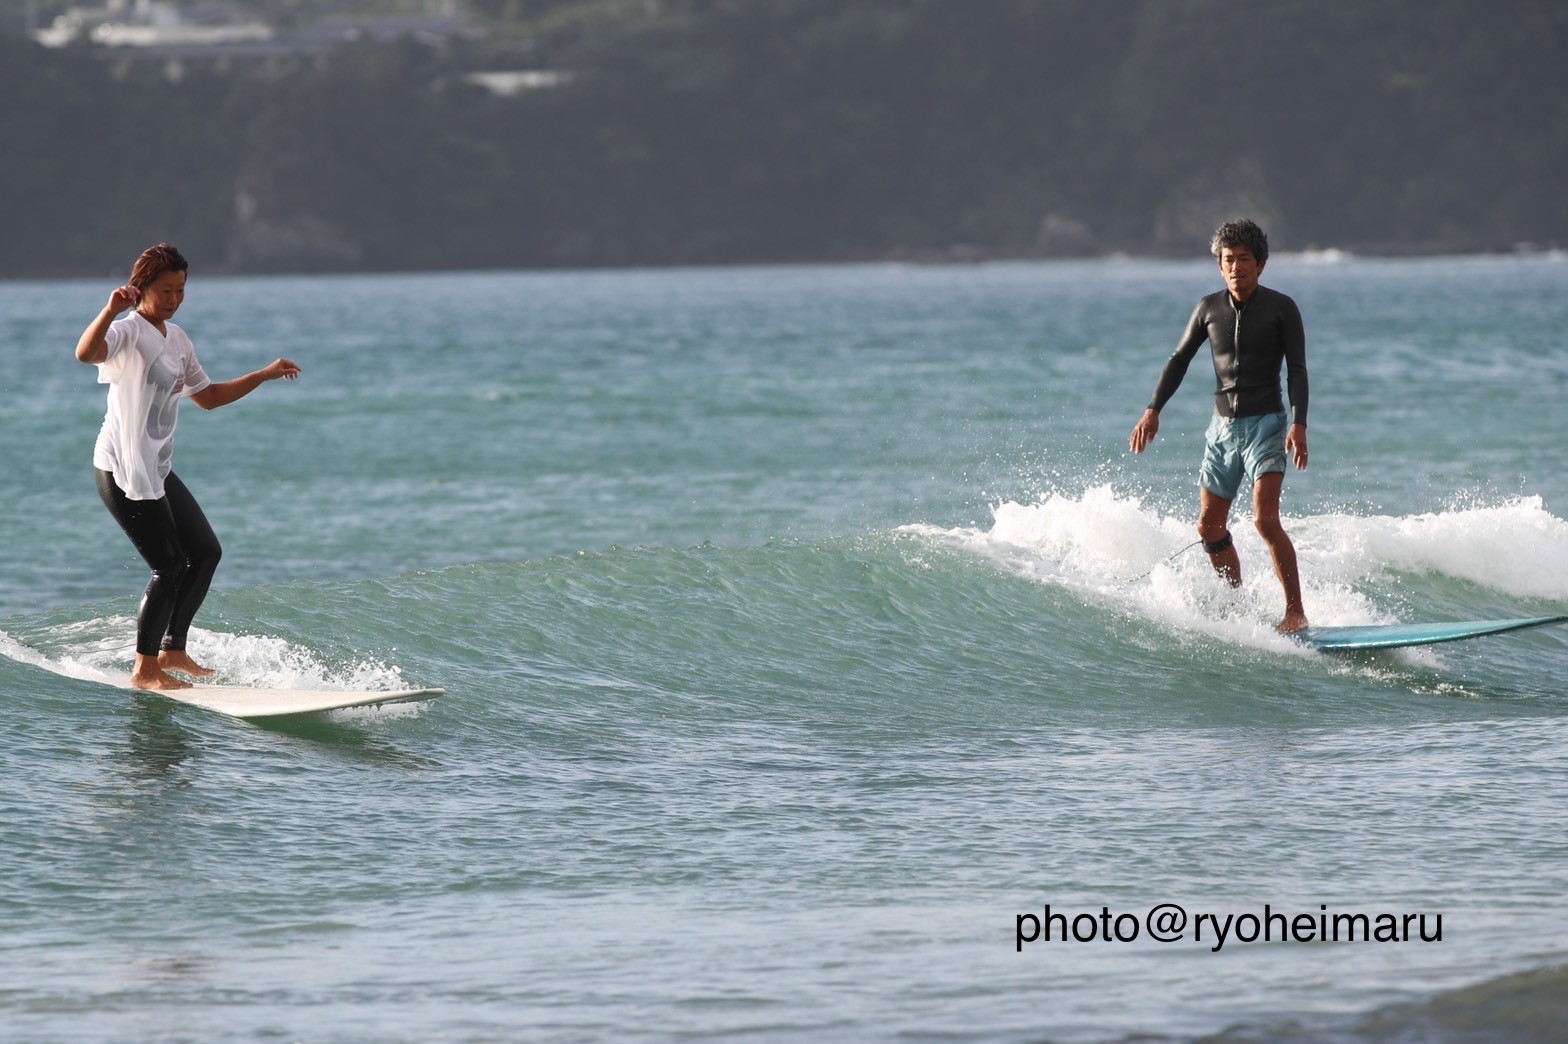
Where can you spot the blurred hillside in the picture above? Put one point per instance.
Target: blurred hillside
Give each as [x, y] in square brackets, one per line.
[502, 133]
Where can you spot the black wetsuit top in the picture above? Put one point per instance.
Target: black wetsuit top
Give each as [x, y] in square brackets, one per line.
[1249, 343]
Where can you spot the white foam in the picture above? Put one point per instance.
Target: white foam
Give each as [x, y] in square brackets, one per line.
[69, 665]
[70, 668]
[1517, 548]
[101, 650]
[267, 662]
[1324, 256]
[1113, 549]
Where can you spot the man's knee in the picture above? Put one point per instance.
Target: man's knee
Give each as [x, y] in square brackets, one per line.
[1212, 530]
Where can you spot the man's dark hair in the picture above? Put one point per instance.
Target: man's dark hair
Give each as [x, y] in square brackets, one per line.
[1245, 233]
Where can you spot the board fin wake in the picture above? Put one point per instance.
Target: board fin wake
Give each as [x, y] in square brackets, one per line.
[250, 703]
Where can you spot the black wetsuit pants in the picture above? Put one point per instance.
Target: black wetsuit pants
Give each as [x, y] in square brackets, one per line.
[173, 537]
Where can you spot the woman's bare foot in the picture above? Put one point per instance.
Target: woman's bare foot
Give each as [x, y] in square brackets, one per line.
[157, 680]
[179, 660]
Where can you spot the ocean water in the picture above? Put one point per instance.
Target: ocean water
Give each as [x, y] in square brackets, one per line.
[819, 666]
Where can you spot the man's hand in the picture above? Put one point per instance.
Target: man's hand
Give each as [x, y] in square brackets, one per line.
[1296, 445]
[1148, 426]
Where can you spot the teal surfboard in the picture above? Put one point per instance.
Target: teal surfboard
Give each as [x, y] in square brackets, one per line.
[1395, 636]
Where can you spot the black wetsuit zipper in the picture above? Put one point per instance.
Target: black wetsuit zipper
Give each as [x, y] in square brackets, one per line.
[1245, 386]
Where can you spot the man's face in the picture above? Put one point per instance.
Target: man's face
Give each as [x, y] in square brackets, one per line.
[1240, 271]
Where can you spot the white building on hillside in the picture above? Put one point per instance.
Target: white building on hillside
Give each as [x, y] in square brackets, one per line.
[154, 23]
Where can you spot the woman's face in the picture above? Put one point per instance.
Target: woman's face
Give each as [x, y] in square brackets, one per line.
[162, 297]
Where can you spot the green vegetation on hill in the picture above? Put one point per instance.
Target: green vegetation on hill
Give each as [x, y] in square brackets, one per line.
[710, 131]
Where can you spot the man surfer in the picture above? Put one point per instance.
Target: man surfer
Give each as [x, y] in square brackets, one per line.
[1251, 331]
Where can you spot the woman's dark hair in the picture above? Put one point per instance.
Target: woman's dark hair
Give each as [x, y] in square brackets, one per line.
[155, 261]
[1240, 233]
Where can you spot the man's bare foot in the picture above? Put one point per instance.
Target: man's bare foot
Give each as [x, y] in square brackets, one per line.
[157, 680]
[179, 660]
[1294, 621]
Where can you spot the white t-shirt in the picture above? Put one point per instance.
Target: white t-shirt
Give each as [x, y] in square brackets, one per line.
[147, 373]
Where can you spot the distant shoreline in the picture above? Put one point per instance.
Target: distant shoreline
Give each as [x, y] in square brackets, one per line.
[955, 255]
[969, 253]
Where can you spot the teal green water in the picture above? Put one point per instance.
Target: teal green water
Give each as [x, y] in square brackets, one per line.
[806, 631]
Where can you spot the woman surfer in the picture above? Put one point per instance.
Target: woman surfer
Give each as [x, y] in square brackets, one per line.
[149, 364]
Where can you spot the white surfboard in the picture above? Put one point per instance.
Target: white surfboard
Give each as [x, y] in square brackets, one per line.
[249, 703]
[237, 700]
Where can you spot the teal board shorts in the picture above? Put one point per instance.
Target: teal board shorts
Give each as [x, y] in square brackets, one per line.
[1241, 448]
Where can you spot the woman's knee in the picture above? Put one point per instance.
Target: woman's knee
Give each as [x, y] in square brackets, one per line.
[169, 573]
[205, 556]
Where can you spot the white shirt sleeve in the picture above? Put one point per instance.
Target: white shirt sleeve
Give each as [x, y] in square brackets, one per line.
[113, 364]
[195, 377]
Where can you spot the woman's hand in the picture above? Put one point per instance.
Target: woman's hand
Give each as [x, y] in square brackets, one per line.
[93, 347]
[280, 368]
[123, 298]
[225, 392]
